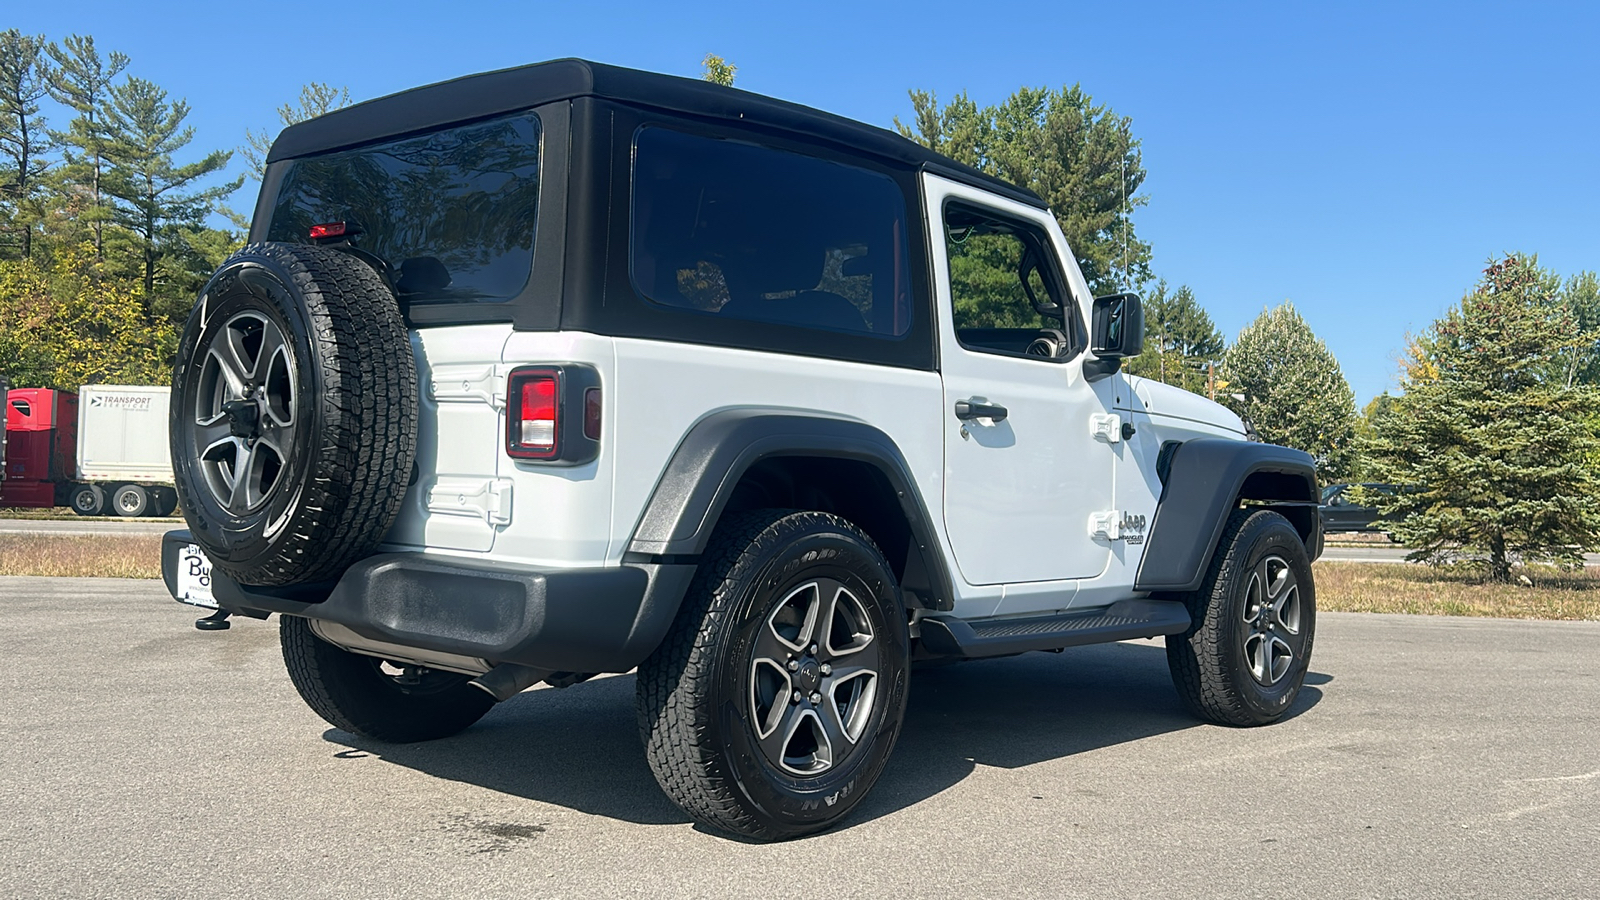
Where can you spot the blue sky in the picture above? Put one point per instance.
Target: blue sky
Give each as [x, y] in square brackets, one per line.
[1362, 160]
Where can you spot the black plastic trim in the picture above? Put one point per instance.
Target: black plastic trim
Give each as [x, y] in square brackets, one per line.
[704, 470]
[1203, 485]
[574, 620]
[1121, 621]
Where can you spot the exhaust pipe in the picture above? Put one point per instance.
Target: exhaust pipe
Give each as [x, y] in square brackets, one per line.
[509, 679]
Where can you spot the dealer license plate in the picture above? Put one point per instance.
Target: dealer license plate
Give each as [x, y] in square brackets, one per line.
[194, 577]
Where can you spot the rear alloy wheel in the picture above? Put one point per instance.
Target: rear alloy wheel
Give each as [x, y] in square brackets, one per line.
[130, 500]
[88, 500]
[771, 707]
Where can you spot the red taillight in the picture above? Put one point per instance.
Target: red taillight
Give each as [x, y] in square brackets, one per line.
[327, 230]
[533, 421]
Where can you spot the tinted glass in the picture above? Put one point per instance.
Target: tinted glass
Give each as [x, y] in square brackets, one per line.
[451, 213]
[740, 231]
[1001, 287]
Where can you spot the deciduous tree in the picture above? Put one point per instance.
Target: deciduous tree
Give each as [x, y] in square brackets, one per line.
[718, 70]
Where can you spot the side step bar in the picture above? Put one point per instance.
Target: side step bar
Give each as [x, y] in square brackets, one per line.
[1121, 621]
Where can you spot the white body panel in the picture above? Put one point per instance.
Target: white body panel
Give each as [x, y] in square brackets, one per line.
[122, 434]
[1018, 492]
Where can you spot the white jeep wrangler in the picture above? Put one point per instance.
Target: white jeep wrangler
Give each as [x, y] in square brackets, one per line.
[570, 369]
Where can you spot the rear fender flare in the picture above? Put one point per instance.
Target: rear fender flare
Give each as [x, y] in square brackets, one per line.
[700, 478]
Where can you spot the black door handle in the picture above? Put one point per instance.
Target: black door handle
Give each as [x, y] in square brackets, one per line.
[967, 410]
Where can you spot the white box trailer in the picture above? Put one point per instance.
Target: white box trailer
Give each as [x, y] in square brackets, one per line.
[124, 458]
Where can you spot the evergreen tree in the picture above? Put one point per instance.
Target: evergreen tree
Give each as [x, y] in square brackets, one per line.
[81, 81]
[1080, 157]
[157, 197]
[1497, 446]
[24, 138]
[1581, 295]
[1181, 344]
[1294, 393]
[316, 99]
[718, 70]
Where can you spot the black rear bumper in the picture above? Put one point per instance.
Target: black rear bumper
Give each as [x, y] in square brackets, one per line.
[573, 620]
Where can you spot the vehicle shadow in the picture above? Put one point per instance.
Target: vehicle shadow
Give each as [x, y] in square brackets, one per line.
[579, 748]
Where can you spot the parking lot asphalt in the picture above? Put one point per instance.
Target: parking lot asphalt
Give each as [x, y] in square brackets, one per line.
[1428, 757]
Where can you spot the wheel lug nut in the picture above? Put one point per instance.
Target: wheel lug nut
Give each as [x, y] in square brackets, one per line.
[794, 665]
[813, 650]
[827, 669]
[796, 697]
[816, 697]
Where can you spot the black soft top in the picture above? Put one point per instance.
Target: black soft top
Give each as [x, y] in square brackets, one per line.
[509, 90]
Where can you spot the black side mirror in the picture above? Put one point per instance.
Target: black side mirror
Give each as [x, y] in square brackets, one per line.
[1117, 332]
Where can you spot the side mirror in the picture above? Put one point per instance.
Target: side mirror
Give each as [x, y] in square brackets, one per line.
[1116, 332]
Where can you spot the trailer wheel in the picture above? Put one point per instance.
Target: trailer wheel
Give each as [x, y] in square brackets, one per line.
[87, 499]
[130, 500]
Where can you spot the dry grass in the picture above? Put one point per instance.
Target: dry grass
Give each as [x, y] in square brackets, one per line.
[1405, 588]
[80, 555]
[1341, 586]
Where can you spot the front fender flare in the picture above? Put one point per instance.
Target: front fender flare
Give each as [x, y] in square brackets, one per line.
[1205, 483]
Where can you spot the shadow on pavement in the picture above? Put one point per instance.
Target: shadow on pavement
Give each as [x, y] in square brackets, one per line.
[580, 748]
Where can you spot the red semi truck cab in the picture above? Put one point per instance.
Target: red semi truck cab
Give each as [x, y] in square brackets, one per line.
[41, 446]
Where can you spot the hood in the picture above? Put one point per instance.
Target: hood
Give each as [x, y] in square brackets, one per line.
[1159, 399]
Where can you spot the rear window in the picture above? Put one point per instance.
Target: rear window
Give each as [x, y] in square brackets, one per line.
[741, 231]
[451, 213]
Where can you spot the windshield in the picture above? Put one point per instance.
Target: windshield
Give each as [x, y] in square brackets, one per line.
[451, 213]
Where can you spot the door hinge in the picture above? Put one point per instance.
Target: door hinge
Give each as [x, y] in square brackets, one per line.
[1106, 427]
[486, 499]
[468, 384]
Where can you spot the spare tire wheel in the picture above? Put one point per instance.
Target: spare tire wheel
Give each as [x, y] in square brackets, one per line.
[293, 420]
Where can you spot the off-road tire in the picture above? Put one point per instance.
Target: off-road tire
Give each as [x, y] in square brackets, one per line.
[351, 691]
[1209, 665]
[354, 400]
[694, 715]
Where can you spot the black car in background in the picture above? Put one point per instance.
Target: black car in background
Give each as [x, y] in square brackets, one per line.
[1342, 512]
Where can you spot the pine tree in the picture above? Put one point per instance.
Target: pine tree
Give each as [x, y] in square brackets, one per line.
[1496, 445]
[24, 139]
[81, 81]
[1080, 157]
[1181, 344]
[316, 98]
[1294, 392]
[144, 131]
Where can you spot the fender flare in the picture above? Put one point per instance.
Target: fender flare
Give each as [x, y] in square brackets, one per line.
[700, 478]
[1206, 482]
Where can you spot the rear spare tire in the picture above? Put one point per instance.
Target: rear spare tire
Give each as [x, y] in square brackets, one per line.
[293, 420]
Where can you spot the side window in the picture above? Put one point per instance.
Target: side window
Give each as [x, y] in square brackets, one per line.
[741, 231]
[1006, 289]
